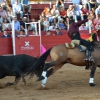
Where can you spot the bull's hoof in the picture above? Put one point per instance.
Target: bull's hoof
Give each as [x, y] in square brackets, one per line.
[40, 78]
[23, 83]
[92, 84]
[9, 84]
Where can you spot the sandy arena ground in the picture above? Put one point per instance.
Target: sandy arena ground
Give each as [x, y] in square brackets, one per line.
[69, 83]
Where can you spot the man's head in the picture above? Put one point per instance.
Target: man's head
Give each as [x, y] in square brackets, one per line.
[15, 19]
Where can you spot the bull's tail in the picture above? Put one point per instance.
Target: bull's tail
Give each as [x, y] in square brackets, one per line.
[39, 62]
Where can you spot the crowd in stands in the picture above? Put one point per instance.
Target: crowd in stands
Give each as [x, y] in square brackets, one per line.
[52, 19]
[58, 17]
[17, 11]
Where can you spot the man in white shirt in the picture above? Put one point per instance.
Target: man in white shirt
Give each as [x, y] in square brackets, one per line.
[17, 9]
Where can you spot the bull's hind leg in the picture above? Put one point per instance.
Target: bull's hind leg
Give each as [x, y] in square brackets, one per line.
[17, 78]
[20, 73]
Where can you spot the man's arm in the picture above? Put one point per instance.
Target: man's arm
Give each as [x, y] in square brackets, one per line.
[80, 22]
[90, 17]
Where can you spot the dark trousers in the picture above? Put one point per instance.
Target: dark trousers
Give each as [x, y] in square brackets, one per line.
[82, 41]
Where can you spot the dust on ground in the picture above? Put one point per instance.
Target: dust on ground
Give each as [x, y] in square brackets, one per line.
[69, 83]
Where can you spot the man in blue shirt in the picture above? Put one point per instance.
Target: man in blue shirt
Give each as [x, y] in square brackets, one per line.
[16, 25]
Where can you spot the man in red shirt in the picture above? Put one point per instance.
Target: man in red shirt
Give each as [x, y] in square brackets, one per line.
[63, 13]
[74, 34]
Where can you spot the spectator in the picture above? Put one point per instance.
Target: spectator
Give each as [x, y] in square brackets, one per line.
[5, 24]
[55, 12]
[97, 20]
[86, 2]
[58, 31]
[77, 13]
[55, 22]
[67, 23]
[83, 27]
[63, 13]
[98, 27]
[52, 27]
[2, 3]
[48, 32]
[13, 1]
[61, 25]
[70, 11]
[22, 25]
[3, 15]
[42, 17]
[98, 30]
[92, 4]
[26, 5]
[85, 12]
[8, 30]
[10, 12]
[16, 25]
[48, 14]
[46, 24]
[97, 11]
[97, 3]
[33, 26]
[59, 3]
[17, 9]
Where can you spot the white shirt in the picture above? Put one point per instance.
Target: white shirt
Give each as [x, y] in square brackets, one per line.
[17, 8]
